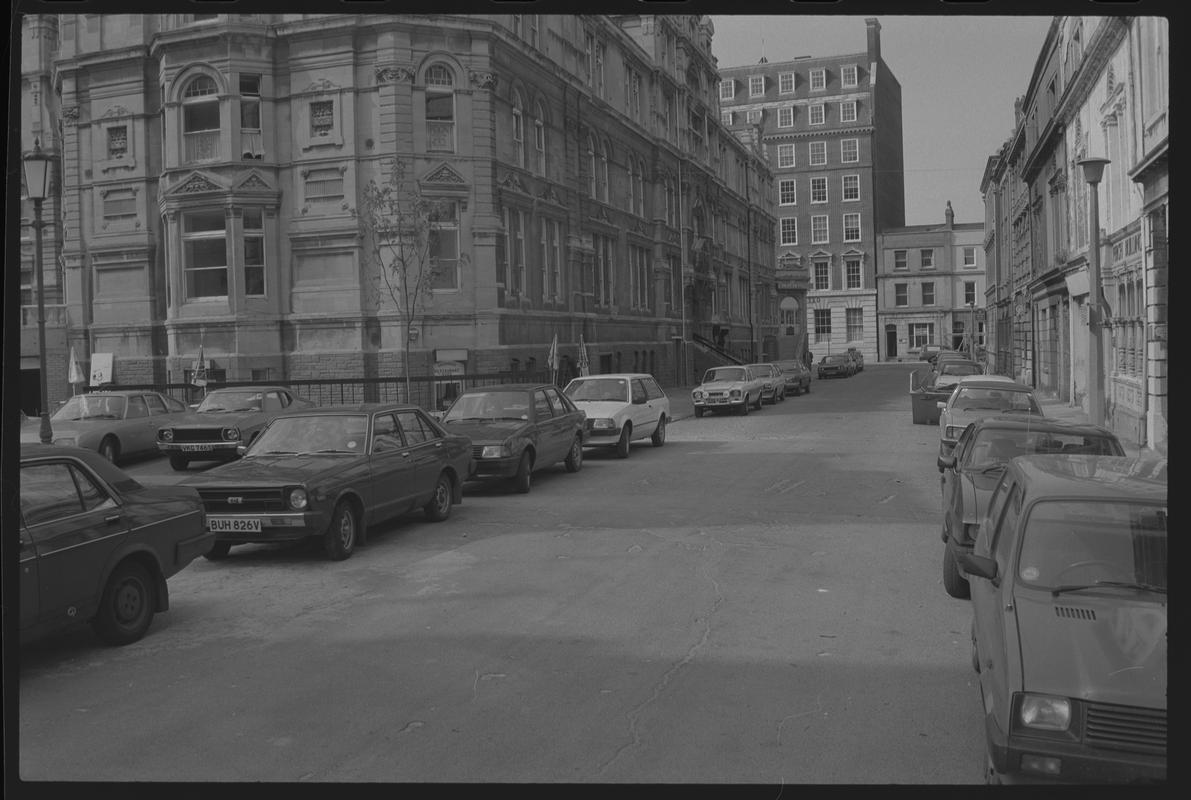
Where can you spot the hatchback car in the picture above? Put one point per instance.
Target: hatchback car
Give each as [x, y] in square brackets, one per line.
[98, 546]
[796, 375]
[836, 366]
[773, 384]
[330, 472]
[1069, 620]
[857, 358]
[731, 388]
[116, 424]
[621, 409]
[973, 399]
[947, 374]
[517, 429]
[225, 419]
[979, 459]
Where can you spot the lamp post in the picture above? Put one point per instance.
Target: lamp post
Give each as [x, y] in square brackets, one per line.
[972, 331]
[37, 185]
[1093, 170]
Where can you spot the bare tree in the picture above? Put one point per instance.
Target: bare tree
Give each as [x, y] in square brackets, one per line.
[400, 227]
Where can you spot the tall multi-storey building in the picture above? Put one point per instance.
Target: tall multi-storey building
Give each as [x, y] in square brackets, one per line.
[832, 127]
[213, 168]
[1099, 90]
[931, 286]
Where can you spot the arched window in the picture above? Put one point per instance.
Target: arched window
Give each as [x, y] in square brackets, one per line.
[518, 128]
[440, 109]
[591, 167]
[641, 188]
[605, 155]
[539, 139]
[632, 185]
[200, 119]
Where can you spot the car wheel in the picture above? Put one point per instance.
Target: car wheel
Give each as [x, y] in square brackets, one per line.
[179, 463]
[659, 433]
[218, 551]
[339, 541]
[438, 507]
[744, 406]
[975, 655]
[127, 606]
[760, 399]
[109, 448]
[772, 398]
[524, 476]
[953, 582]
[574, 461]
[807, 388]
[698, 412]
[624, 443]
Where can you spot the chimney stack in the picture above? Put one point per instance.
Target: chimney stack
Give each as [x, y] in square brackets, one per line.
[874, 39]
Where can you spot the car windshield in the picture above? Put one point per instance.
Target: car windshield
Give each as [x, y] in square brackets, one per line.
[316, 433]
[224, 401]
[1068, 544]
[994, 447]
[978, 399]
[92, 406]
[959, 369]
[724, 374]
[488, 406]
[834, 359]
[599, 389]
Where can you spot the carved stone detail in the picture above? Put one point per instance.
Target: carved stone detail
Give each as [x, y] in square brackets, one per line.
[117, 111]
[390, 73]
[254, 181]
[444, 174]
[321, 85]
[484, 80]
[70, 115]
[196, 183]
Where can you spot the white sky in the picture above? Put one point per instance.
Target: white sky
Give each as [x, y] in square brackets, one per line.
[959, 76]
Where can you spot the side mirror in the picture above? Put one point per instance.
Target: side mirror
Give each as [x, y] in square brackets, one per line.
[241, 449]
[193, 406]
[980, 566]
[638, 401]
[947, 462]
[941, 404]
[437, 415]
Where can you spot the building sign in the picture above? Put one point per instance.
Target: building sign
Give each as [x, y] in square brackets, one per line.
[102, 369]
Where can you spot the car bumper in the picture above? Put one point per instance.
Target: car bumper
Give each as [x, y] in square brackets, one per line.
[718, 402]
[280, 527]
[198, 449]
[602, 436]
[1077, 763]
[496, 467]
[190, 549]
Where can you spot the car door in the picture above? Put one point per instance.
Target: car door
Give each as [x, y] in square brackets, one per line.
[641, 411]
[992, 601]
[952, 493]
[554, 438]
[393, 468]
[424, 445]
[656, 403]
[75, 524]
[137, 432]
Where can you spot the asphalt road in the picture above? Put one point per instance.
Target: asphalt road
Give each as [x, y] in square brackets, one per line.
[758, 601]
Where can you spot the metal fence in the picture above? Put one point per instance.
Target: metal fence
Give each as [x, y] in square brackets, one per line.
[431, 392]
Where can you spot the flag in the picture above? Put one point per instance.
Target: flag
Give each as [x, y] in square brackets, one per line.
[584, 367]
[552, 356]
[74, 374]
[199, 378]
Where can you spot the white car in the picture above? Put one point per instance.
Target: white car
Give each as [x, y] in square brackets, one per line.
[976, 397]
[723, 388]
[620, 409]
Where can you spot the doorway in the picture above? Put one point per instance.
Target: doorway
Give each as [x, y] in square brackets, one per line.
[890, 342]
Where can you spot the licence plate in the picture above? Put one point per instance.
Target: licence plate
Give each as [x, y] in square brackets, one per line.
[196, 448]
[233, 525]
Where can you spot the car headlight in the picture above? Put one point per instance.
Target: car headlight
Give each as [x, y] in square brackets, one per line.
[166, 434]
[231, 434]
[697, 395]
[495, 451]
[734, 393]
[603, 424]
[1045, 712]
[953, 431]
[297, 498]
[66, 441]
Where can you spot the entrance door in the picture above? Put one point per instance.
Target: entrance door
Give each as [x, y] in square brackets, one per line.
[891, 341]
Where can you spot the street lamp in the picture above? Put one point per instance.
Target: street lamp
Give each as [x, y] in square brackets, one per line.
[37, 188]
[1093, 170]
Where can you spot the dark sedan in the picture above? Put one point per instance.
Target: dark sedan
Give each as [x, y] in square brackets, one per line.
[225, 419]
[516, 429]
[837, 366]
[330, 472]
[979, 459]
[1069, 606]
[98, 546]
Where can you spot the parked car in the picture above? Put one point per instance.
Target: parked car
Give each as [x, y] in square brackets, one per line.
[621, 409]
[947, 373]
[735, 388]
[796, 374]
[929, 352]
[1069, 629]
[517, 429]
[857, 357]
[836, 366]
[331, 472]
[979, 459]
[97, 546]
[116, 424]
[225, 419]
[974, 399]
[772, 383]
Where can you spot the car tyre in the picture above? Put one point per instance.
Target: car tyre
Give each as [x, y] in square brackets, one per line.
[109, 448]
[760, 400]
[524, 477]
[339, 540]
[127, 607]
[953, 582]
[624, 443]
[698, 412]
[744, 406]
[659, 433]
[574, 461]
[179, 463]
[438, 507]
[219, 551]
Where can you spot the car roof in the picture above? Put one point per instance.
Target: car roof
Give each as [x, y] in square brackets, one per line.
[1032, 422]
[967, 379]
[509, 387]
[116, 392]
[1092, 477]
[102, 467]
[985, 382]
[348, 408]
[624, 375]
[252, 388]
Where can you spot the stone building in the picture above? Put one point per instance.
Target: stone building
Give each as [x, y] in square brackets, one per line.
[832, 127]
[213, 166]
[931, 286]
[1099, 89]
